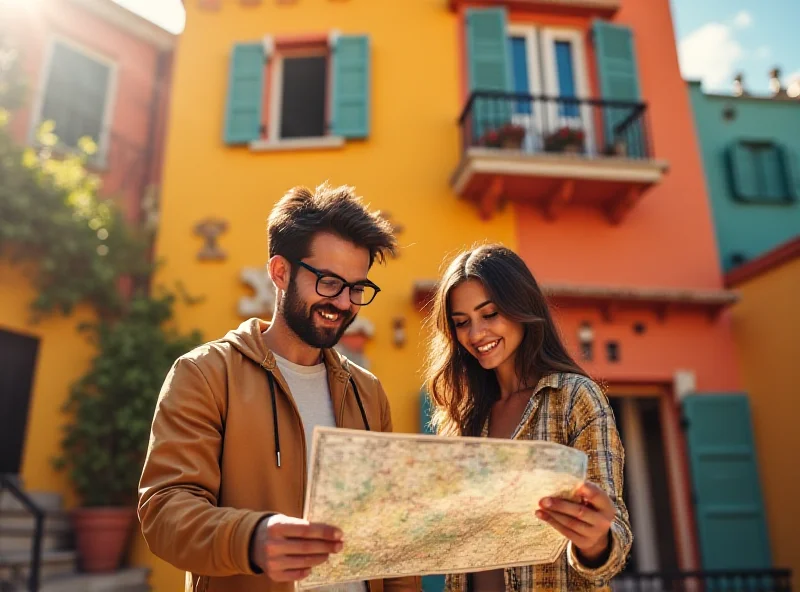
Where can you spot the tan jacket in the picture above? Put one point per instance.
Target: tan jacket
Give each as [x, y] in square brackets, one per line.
[212, 473]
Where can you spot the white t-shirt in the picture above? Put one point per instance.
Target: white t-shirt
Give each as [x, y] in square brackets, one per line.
[309, 388]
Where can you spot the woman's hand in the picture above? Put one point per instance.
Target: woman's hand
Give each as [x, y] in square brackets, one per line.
[585, 523]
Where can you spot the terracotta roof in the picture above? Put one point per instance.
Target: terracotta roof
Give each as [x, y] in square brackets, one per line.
[608, 298]
[781, 254]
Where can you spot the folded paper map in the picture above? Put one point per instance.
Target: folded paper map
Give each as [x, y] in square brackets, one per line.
[421, 505]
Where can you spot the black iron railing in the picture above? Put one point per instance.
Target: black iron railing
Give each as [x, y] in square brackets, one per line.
[776, 580]
[541, 124]
[8, 483]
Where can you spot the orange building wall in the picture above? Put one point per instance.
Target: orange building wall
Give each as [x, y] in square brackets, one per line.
[766, 325]
[680, 341]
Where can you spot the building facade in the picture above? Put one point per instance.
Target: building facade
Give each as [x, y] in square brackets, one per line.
[750, 144]
[99, 71]
[560, 128]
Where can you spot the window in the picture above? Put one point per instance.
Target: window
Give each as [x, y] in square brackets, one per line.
[302, 97]
[76, 95]
[287, 92]
[759, 172]
[548, 63]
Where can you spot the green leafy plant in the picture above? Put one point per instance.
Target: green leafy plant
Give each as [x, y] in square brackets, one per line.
[73, 246]
[112, 405]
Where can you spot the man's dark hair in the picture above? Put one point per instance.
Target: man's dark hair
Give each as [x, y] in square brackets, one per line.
[301, 214]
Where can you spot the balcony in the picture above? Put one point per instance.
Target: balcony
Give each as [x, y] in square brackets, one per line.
[555, 153]
[603, 8]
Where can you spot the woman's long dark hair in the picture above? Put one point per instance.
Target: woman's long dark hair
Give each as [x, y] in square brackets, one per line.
[461, 390]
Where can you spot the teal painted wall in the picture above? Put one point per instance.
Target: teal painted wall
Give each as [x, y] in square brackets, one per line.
[747, 229]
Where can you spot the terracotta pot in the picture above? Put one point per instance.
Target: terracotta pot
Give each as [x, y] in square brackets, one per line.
[101, 535]
[512, 143]
[572, 149]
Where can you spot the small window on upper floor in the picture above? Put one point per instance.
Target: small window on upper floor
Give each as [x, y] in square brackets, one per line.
[759, 172]
[301, 95]
[298, 91]
[76, 95]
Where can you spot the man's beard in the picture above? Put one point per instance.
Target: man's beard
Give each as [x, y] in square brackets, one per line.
[301, 320]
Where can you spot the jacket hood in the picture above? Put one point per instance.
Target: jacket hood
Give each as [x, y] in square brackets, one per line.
[246, 338]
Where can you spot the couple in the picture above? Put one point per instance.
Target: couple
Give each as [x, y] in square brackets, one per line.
[224, 480]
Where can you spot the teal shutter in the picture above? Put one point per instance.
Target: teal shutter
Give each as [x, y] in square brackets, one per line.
[743, 172]
[758, 171]
[351, 87]
[425, 413]
[245, 90]
[489, 68]
[728, 503]
[429, 583]
[619, 81]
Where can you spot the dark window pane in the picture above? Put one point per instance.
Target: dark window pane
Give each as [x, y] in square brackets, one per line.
[303, 101]
[75, 95]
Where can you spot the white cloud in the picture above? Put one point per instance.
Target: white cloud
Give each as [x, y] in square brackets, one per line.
[793, 84]
[763, 52]
[743, 20]
[710, 54]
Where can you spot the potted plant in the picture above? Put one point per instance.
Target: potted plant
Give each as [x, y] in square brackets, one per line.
[619, 147]
[566, 139]
[110, 410]
[509, 136]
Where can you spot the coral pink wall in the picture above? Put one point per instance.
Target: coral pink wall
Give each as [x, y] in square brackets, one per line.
[133, 154]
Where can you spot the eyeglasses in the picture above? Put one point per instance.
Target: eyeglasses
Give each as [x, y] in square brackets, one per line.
[331, 285]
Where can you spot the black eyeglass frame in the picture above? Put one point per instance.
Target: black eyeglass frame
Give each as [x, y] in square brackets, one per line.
[345, 284]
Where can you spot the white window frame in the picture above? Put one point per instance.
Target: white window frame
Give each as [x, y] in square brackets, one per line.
[275, 89]
[533, 121]
[550, 36]
[103, 142]
[531, 35]
[543, 79]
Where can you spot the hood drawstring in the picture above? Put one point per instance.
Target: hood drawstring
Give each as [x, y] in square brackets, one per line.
[271, 380]
[275, 417]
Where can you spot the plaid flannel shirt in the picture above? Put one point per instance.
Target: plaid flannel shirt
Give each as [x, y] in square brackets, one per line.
[571, 409]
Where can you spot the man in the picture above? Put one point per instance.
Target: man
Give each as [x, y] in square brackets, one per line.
[225, 478]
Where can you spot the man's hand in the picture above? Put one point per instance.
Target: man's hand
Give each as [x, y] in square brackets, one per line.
[287, 548]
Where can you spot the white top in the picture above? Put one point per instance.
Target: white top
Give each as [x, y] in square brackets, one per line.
[309, 388]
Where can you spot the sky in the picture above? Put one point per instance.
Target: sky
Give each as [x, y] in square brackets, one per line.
[716, 38]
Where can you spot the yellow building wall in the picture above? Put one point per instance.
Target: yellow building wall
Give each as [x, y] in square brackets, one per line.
[766, 326]
[403, 168]
[63, 357]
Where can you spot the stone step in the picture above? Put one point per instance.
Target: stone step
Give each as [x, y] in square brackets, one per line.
[55, 522]
[48, 501]
[15, 565]
[22, 540]
[17, 530]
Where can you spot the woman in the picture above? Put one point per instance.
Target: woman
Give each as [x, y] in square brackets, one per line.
[498, 369]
